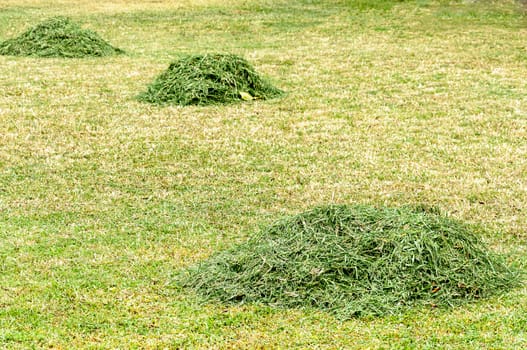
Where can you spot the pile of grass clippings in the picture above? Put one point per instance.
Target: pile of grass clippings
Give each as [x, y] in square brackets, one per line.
[355, 261]
[208, 79]
[58, 37]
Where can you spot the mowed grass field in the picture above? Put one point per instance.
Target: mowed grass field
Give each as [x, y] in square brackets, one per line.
[103, 199]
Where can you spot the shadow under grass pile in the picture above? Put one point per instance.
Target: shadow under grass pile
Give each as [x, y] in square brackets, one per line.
[208, 79]
[58, 37]
[355, 261]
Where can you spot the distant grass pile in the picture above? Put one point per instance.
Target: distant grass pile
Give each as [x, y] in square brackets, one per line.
[355, 261]
[208, 79]
[58, 37]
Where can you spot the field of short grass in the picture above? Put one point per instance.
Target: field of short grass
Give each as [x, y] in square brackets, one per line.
[103, 199]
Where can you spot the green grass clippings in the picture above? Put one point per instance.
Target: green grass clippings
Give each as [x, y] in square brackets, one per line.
[208, 79]
[58, 37]
[355, 261]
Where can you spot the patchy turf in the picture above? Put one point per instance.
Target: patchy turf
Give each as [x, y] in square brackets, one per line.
[58, 37]
[103, 199]
[355, 261]
[208, 79]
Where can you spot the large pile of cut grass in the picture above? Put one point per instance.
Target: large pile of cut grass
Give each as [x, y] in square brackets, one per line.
[58, 37]
[355, 261]
[208, 79]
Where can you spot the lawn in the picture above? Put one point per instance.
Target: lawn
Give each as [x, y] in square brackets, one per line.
[104, 199]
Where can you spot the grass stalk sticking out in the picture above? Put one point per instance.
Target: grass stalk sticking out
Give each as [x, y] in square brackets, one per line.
[355, 261]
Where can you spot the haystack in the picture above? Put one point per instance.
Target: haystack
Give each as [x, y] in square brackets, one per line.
[208, 79]
[58, 37]
[355, 261]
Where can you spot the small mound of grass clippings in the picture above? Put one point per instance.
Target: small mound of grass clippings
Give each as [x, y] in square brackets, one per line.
[355, 261]
[58, 37]
[208, 79]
